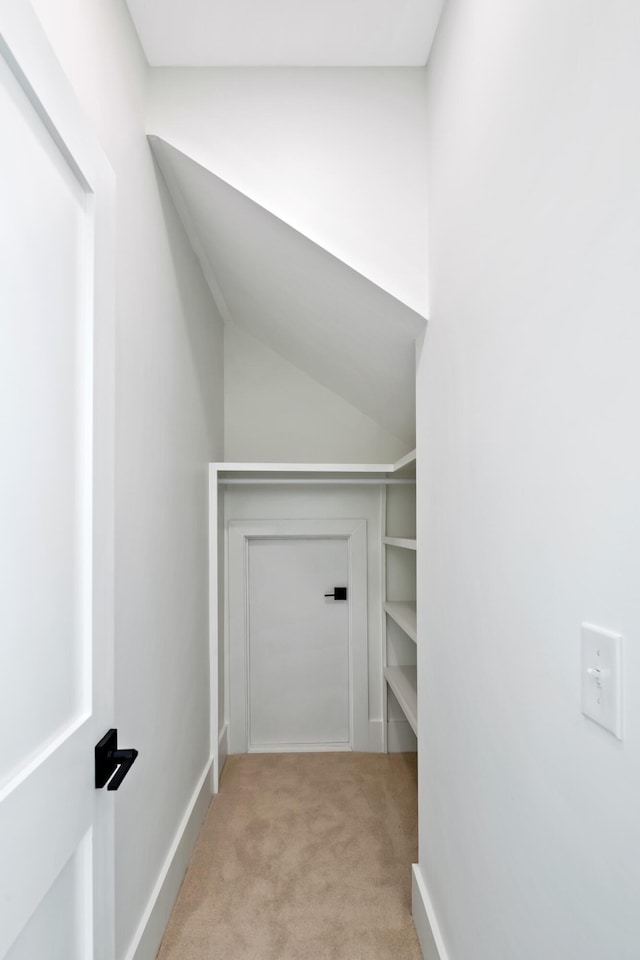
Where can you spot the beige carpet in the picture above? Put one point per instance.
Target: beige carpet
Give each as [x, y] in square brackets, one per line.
[303, 857]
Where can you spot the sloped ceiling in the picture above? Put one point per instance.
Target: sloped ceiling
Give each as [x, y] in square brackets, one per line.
[341, 155]
[296, 298]
[286, 32]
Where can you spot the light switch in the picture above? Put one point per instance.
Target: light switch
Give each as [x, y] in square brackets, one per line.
[602, 677]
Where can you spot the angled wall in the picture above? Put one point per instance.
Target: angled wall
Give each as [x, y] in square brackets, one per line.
[337, 153]
[274, 411]
[288, 292]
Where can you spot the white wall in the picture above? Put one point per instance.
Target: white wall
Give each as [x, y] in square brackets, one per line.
[529, 512]
[275, 412]
[318, 502]
[339, 154]
[169, 423]
[297, 299]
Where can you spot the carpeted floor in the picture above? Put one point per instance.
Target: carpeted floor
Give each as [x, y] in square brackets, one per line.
[303, 857]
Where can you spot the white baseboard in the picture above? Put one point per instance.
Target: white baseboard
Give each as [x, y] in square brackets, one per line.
[400, 737]
[146, 941]
[298, 748]
[376, 736]
[424, 918]
[223, 753]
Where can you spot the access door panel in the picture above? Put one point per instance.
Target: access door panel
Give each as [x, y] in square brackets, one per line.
[298, 644]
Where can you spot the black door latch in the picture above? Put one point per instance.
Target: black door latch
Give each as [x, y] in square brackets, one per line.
[339, 593]
[109, 759]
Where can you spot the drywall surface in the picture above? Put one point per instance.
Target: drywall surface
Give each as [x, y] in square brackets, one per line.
[169, 424]
[339, 154]
[320, 33]
[275, 412]
[322, 502]
[529, 467]
[296, 298]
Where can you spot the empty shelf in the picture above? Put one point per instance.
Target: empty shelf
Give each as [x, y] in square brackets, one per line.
[409, 459]
[403, 682]
[404, 614]
[400, 542]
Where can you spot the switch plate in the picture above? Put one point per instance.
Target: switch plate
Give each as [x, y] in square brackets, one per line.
[602, 677]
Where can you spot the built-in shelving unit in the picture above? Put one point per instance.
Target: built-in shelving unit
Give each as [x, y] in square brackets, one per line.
[403, 682]
[404, 614]
[400, 651]
[397, 490]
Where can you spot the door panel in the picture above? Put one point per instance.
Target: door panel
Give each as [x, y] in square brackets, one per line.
[59, 927]
[45, 614]
[56, 503]
[298, 643]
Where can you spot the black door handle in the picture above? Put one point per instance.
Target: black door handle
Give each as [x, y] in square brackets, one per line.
[126, 759]
[109, 760]
[339, 593]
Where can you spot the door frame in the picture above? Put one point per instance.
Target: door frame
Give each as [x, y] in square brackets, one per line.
[25, 48]
[240, 535]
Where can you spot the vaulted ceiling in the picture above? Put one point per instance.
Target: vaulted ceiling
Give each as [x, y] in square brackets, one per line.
[321, 33]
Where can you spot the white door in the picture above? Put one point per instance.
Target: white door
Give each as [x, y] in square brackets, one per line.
[288, 602]
[298, 645]
[56, 373]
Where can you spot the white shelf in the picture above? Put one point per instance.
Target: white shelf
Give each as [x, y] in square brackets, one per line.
[404, 683]
[408, 460]
[404, 614]
[229, 467]
[404, 467]
[400, 542]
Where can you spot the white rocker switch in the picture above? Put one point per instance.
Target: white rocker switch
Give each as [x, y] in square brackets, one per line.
[602, 677]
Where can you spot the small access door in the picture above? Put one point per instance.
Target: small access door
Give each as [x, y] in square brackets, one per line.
[56, 502]
[298, 652]
[298, 644]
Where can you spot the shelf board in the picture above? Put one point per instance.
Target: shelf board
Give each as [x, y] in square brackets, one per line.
[293, 468]
[404, 614]
[406, 467]
[403, 542]
[403, 681]
[405, 461]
